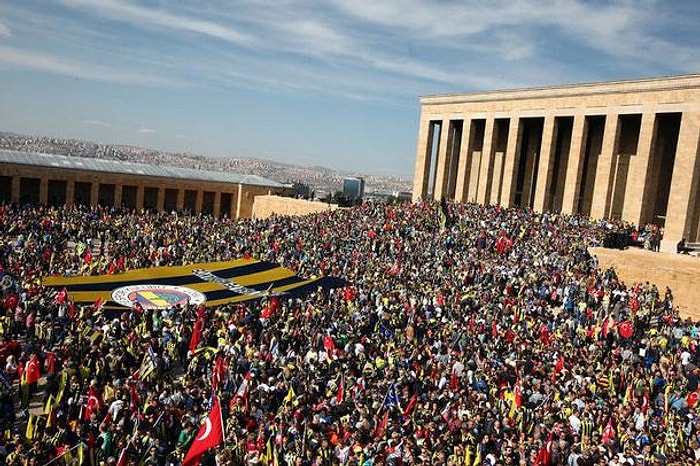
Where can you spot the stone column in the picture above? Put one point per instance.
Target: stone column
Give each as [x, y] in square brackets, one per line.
[421, 175]
[509, 175]
[474, 172]
[497, 183]
[607, 162]
[217, 204]
[70, 190]
[544, 171]
[637, 176]
[573, 169]
[160, 200]
[486, 166]
[14, 195]
[200, 200]
[441, 175]
[180, 203]
[139, 195]
[94, 191]
[239, 200]
[43, 190]
[684, 182]
[118, 194]
[463, 167]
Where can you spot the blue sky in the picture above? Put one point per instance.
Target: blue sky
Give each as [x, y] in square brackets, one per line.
[332, 83]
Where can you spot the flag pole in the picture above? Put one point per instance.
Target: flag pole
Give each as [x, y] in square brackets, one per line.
[221, 420]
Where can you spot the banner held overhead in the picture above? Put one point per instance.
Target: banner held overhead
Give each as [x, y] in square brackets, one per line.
[213, 283]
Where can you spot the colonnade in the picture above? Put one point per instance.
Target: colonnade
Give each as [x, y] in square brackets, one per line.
[620, 149]
[641, 167]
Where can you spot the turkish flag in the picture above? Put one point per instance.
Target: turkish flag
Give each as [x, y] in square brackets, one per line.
[544, 456]
[123, 458]
[411, 404]
[219, 372]
[10, 301]
[381, 427]
[61, 296]
[518, 394]
[608, 432]
[196, 334]
[560, 364]
[626, 329]
[210, 435]
[93, 403]
[454, 383]
[340, 395]
[99, 303]
[33, 370]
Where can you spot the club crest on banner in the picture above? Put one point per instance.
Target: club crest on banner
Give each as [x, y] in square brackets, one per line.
[154, 296]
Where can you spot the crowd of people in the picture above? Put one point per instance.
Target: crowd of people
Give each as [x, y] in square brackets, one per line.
[466, 335]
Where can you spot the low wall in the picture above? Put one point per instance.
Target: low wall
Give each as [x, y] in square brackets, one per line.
[266, 206]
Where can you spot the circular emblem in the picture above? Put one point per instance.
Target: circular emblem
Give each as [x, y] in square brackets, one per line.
[157, 296]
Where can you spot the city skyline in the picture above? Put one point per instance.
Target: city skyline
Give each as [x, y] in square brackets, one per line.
[333, 84]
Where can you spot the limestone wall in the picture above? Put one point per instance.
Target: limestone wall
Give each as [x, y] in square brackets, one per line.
[266, 206]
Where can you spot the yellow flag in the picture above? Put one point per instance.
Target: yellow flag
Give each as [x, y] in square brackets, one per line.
[49, 404]
[477, 458]
[468, 456]
[24, 388]
[31, 426]
[63, 381]
[291, 397]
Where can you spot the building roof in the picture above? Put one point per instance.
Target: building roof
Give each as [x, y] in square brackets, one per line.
[662, 83]
[130, 168]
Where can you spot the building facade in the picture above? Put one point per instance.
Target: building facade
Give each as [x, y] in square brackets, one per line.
[27, 177]
[354, 187]
[625, 149]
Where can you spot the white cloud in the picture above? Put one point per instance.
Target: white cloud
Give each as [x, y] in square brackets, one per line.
[361, 49]
[96, 123]
[146, 131]
[135, 14]
[27, 59]
[5, 30]
[614, 28]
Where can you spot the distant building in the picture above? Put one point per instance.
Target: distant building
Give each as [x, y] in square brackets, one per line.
[28, 177]
[301, 190]
[402, 195]
[354, 188]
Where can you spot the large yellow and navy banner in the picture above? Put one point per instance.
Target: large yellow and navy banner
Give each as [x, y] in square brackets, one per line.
[213, 283]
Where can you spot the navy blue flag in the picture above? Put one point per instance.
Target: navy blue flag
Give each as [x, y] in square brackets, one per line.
[386, 332]
[392, 398]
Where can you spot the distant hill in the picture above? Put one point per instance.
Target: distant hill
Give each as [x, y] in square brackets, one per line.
[318, 178]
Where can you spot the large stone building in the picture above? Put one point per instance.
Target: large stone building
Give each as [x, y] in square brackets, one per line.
[27, 177]
[623, 149]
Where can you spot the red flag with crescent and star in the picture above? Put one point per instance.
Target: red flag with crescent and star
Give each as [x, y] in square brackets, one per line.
[210, 435]
[626, 329]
